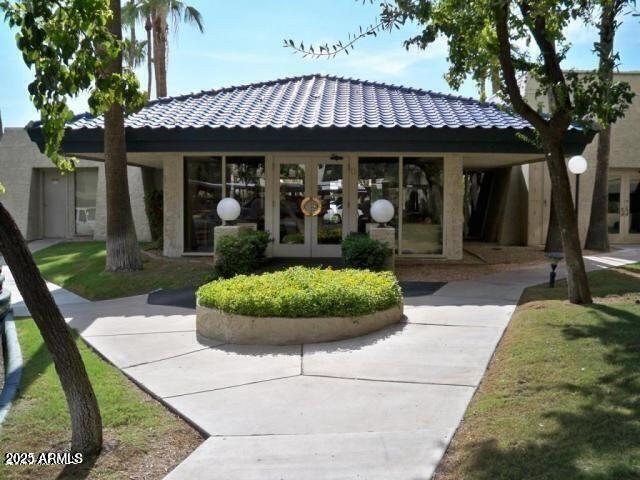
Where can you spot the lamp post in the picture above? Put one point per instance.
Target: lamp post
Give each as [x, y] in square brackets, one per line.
[554, 259]
[577, 166]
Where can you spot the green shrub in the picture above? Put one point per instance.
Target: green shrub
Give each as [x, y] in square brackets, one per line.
[304, 292]
[362, 251]
[240, 254]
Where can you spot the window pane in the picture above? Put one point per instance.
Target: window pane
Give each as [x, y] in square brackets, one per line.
[634, 205]
[86, 181]
[331, 196]
[203, 191]
[246, 183]
[377, 179]
[292, 191]
[422, 209]
[613, 208]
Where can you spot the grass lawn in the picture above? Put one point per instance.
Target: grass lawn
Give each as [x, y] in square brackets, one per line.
[79, 267]
[561, 399]
[142, 439]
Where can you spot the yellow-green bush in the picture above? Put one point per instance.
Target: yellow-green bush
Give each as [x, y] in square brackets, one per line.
[304, 292]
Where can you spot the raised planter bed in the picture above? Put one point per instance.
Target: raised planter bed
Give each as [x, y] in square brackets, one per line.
[298, 305]
[244, 330]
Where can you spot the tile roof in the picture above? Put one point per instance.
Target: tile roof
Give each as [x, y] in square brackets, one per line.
[315, 101]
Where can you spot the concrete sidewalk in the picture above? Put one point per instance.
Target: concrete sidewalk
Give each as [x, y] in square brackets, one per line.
[381, 406]
[60, 295]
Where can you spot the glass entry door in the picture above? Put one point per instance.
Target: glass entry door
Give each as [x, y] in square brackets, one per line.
[310, 207]
[623, 219]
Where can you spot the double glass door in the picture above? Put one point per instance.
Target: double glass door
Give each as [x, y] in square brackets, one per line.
[623, 219]
[310, 206]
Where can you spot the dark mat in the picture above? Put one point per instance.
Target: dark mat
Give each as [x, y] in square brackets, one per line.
[420, 289]
[180, 297]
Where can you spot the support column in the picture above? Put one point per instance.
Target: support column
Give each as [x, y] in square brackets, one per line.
[173, 206]
[453, 207]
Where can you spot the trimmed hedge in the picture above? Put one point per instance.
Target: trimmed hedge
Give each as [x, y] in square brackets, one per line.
[362, 251]
[304, 292]
[240, 254]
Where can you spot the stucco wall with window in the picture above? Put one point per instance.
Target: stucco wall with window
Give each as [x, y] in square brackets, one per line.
[625, 154]
[22, 167]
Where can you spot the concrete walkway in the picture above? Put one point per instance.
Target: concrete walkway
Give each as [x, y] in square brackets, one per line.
[382, 406]
[60, 295]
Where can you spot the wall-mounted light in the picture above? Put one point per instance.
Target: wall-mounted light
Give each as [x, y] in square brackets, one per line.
[336, 157]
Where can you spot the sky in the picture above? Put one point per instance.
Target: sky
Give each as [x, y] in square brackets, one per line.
[242, 43]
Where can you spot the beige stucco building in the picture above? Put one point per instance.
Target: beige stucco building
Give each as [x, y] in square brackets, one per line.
[47, 204]
[624, 177]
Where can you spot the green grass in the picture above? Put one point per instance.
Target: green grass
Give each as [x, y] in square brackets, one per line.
[79, 267]
[561, 399]
[304, 292]
[140, 435]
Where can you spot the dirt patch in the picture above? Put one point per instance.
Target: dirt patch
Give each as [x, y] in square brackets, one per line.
[479, 259]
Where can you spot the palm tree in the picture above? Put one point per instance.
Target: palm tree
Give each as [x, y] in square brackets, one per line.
[166, 11]
[123, 253]
[158, 16]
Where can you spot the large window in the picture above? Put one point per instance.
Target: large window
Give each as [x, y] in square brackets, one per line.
[203, 191]
[246, 183]
[86, 185]
[422, 182]
[377, 179]
[414, 185]
[204, 187]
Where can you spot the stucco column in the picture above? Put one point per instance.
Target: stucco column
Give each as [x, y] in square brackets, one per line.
[453, 207]
[173, 199]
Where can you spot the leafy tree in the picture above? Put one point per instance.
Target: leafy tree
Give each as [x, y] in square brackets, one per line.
[64, 43]
[611, 99]
[497, 30]
[157, 16]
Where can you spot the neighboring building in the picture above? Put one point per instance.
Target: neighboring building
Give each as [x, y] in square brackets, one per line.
[339, 143]
[48, 204]
[624, 176]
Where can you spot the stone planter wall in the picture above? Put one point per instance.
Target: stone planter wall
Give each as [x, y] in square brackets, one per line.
[245, 330]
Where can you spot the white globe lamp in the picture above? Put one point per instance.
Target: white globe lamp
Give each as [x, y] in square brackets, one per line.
[382, 211]
[578, 165]
[228, 209]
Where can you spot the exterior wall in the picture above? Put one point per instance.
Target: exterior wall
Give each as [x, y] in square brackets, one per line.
[625, 153]
[453, 207]
[21, 167]
[173, 205]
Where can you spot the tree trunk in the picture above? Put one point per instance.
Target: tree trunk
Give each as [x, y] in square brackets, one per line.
[597, 234]
[123, 253]
[160, 51]
[577, 282]
[148, 26]
[86, 423]
[554, 236]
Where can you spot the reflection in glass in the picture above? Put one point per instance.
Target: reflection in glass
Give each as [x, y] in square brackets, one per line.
[203, 191]
[634, 205]
[246, 183]
[292, 193]
[423, 205]
[330, 193]
[85, 200]
[377, 179]
[613, 208]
